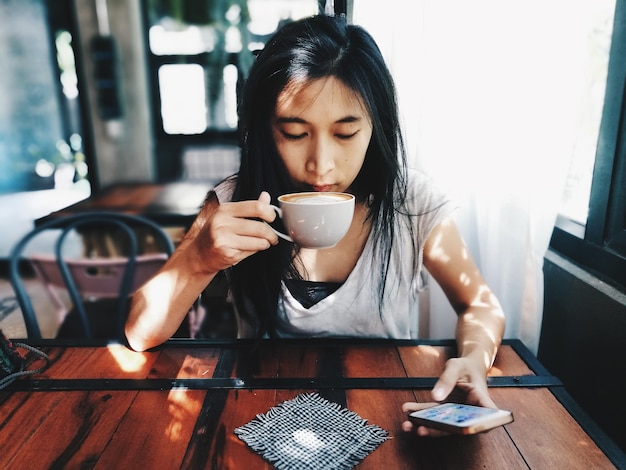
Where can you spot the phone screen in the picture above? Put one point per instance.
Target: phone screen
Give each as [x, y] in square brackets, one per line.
[460, 418]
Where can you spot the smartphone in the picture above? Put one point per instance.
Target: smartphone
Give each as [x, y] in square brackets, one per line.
[461, 419]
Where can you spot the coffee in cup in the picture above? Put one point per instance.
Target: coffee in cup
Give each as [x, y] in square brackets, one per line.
[315, 219]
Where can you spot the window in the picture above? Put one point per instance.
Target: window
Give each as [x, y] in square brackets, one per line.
[591, 228]
[41, 139]
[200, 49]
[198, 52]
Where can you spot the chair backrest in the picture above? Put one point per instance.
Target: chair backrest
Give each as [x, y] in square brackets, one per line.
[83, 278]
[97, 277]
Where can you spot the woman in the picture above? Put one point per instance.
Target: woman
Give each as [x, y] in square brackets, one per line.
[319, 113]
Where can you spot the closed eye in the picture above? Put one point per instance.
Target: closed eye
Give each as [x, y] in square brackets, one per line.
[346, 136]
[289, 136]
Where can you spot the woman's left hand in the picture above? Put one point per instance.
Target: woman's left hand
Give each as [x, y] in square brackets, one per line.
[460, 375]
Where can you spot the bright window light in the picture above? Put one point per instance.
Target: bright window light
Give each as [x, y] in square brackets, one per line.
[183, 98]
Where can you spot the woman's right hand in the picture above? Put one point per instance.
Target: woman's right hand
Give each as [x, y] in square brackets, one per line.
[225, 234]
[221, 236]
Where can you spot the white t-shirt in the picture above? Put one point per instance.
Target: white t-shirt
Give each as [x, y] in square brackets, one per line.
[355, 309]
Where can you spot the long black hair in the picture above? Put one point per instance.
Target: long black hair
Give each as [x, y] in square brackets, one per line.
[309, 49]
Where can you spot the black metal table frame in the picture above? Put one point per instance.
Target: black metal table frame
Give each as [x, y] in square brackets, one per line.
[221, 382]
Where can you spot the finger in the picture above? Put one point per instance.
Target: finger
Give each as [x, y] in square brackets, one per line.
[243, 242]
[446, 383]
[254, 228]
[477, 394]
[264, 210]
[409, 426]
[422, 431]
[232, 239]
[260, 230]
[410, 406]
[265, 197]
[242, 210]
[487, 402]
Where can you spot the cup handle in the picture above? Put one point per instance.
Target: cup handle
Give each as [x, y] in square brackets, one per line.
[280, 234]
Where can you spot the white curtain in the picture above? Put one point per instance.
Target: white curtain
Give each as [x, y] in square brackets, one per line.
[490, 93]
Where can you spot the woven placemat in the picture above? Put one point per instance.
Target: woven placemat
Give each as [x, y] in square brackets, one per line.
[310, 432]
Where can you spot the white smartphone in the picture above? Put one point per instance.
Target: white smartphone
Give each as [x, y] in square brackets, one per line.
[461, 419]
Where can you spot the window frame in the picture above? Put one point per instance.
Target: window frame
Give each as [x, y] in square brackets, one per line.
[168, 147]
[600, 245]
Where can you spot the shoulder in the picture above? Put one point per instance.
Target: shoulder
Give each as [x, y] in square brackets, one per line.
[423, 193]
[418, 178]
[426, 205]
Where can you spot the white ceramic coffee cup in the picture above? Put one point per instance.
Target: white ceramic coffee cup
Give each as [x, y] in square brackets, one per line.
[315, 219]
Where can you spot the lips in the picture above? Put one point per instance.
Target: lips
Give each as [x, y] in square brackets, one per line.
[322, 188]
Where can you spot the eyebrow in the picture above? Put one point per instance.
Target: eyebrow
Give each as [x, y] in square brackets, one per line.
[297, 120]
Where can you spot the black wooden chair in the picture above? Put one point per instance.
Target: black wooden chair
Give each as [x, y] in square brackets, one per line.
[99, 287]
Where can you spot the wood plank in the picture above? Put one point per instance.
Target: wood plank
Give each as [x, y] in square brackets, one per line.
[195, 428]
[428, 361]
[424, 361]
[66, 362]
[78, 411]
[301, 362]
[226, 450]
[21, 415]
[258, 360]
[242, 406]
[380, 407]
[126, 196]
[114, 361]
[155, 431]
[161, 441]
[74, 432]
[193, 363]
[545, 433]
[41, 413]
[509, 363]
[384, 407]
[488, 450]
[175, 203]
[407, 450]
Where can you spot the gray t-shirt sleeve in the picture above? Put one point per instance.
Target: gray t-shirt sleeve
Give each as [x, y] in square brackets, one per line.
[428, 202]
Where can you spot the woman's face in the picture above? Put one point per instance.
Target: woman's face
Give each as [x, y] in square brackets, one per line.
[322, 131]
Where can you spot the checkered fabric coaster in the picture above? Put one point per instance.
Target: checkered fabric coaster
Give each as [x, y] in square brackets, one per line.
[310, 432]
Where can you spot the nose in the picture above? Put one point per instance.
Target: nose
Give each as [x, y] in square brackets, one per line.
[321, 158]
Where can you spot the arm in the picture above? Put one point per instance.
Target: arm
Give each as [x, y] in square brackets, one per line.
[220, 237]
[480, 324]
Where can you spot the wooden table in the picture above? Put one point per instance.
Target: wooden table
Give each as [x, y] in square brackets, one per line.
[169, 204]
[177, 406]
